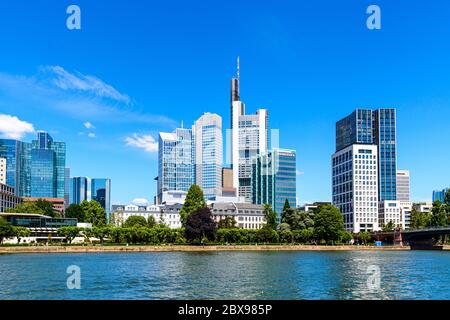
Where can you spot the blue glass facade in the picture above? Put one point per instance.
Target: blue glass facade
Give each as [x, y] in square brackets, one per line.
[274, 179]
[440, 195]
[78, 190]
[385, 137]
[43, 182]
[377, 127]
[48, 164]
[101, 192]
[176, 169]
[18, 169]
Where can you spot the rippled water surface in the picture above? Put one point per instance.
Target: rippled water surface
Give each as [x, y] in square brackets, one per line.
[228, 275]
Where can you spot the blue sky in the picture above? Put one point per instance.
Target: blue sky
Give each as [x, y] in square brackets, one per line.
[139, 67]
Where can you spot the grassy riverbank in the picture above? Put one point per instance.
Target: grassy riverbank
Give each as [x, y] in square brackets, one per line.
[183, 248]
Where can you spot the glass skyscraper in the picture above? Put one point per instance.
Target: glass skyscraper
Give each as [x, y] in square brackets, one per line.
[377, 127]
[208, 154]
[274, 179]
[48, 163]
[18, 165]
[439, 195]
[78, 190]
[176, 169]
[101, 192]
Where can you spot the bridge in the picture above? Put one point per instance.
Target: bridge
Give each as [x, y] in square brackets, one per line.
[420, 239]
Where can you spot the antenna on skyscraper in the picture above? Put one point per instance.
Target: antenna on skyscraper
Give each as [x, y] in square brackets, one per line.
[238, 69]
[182, 124]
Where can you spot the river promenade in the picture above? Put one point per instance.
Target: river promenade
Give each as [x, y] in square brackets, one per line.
[188, 248]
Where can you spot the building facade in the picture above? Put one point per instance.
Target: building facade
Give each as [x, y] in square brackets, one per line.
[78, 190]
[101, 192]
[274, 179]
[376, 127]
[48, 164]
[3, 170]
[403, 185]
[208, 154]
[249, 139]
[8, 198]
[176, 170]
[18, 165]
[355, 186]
[440, 195]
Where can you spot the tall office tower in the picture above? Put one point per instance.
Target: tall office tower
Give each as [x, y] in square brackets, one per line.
[48, 163]
[208, 154]
[439, 195]
[176, 170]
[66, 187]
[403, 185]
[249, 135]
[379, 128]
[101, 192]
[18, 164]
[78, 190]
[3, 170]
[274, 179]
[355, 186]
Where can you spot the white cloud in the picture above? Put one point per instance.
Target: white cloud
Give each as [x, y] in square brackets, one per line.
[146, 142]
[13, 128]
[299, 173]
[91, 135]
[88, 125]
[80, 82]
[55, 89]
[140, 201]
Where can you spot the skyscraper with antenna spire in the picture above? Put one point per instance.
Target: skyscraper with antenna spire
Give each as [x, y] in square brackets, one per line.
[249, 135]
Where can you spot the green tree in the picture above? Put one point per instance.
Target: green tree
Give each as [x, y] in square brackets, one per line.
[21, 232]
[388, 227]
[267, 234]
[420, 219]
[284, 227]
[270, 216]
[287, 214]
[328, 223]
[302, 220]
[346, 237]
[47, 208]
[227, 223]
[6, 230]
[75, 211]
[195, 200]
[365, 236]
[69, 233]
[101, 233]
[151, 222]
[135, 221]
[94, 213]
[27, 207]
[439, 215]
[200, 226]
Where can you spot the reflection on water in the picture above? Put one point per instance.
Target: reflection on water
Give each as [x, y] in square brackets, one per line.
[228, 275]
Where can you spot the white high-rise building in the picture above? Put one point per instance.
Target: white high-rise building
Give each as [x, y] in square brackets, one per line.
[207, 132]
[403, 185]
[249, 135]
[355, 186]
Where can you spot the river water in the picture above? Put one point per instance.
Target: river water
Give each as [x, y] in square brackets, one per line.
[229, 275]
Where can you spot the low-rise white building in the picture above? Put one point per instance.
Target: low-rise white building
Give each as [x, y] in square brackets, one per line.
[391, 210]
[247, 216]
